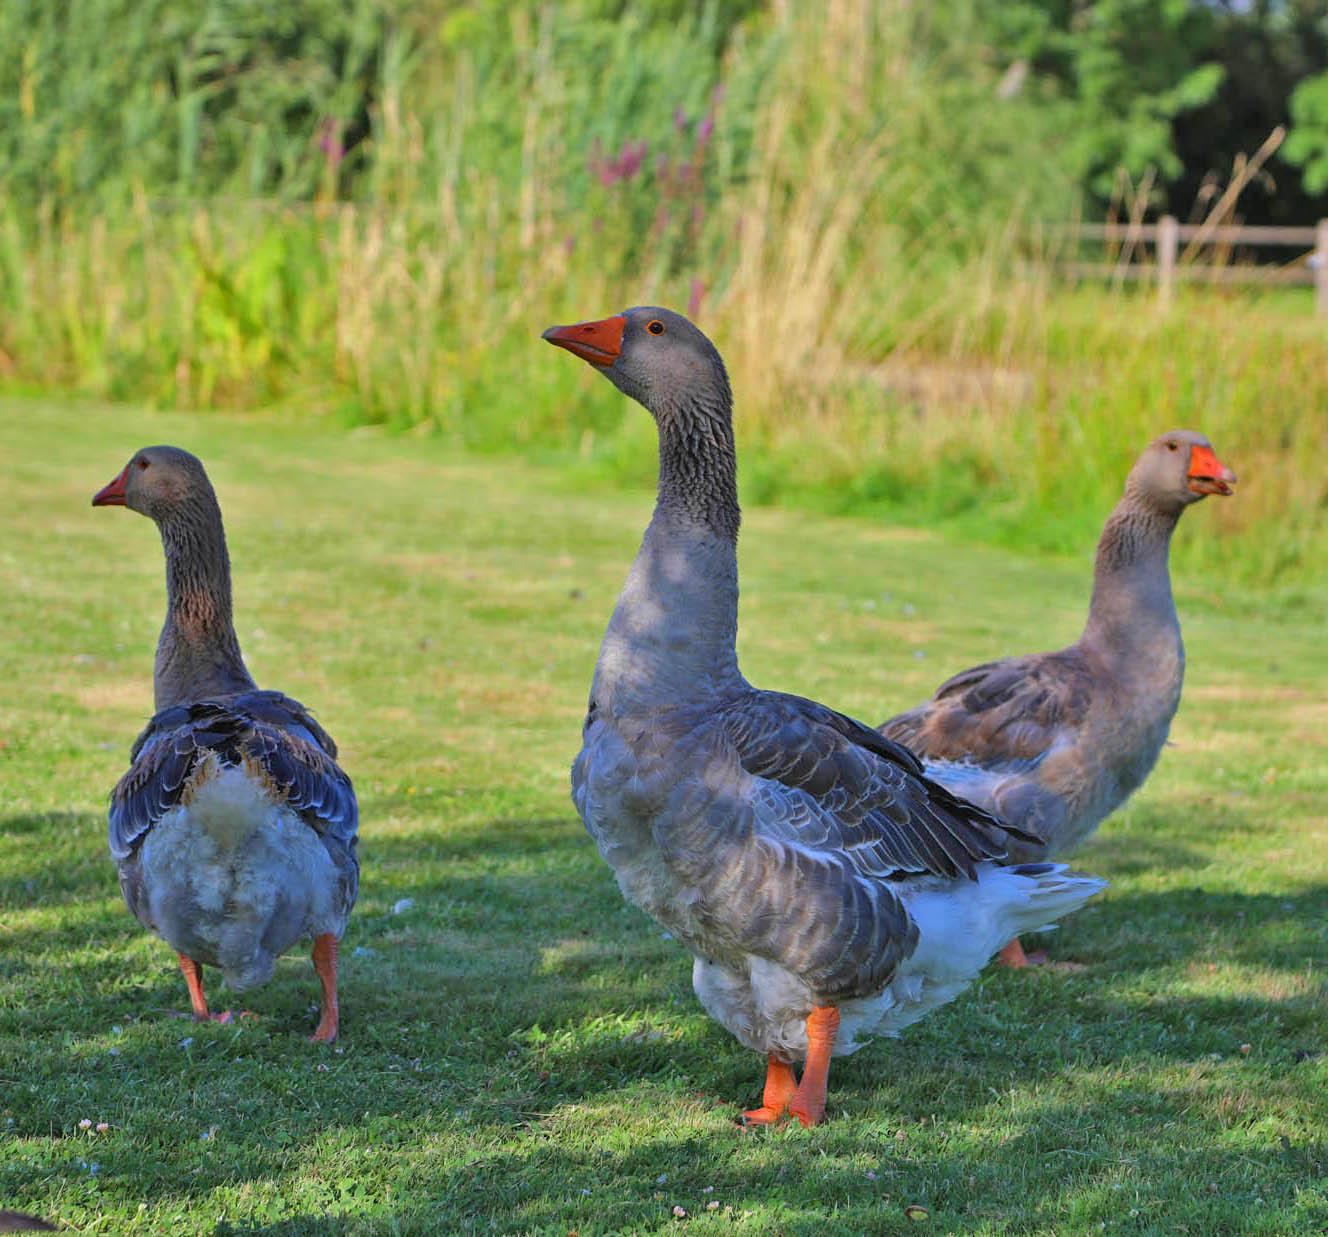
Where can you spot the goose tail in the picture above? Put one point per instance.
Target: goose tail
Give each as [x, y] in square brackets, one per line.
[960, 926]
[1042, 893]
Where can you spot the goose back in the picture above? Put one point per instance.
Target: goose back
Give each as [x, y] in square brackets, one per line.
[281, 758]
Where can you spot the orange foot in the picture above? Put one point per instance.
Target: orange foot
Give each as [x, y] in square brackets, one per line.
[193, 977]
[780, 1087]
[808, 1103]
[228, 1016]
[1014, 957]
[325, 963]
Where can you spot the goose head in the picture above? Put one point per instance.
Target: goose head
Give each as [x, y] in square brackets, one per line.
[156, 482]
[1179, 468]
[654, 355]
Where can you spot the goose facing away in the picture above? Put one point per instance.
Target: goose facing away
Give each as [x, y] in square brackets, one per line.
[234, 830]
[1055, 742]
[827, 890]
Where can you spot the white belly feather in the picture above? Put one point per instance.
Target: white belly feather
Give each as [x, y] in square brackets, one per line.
[961, 924]
[234, 878]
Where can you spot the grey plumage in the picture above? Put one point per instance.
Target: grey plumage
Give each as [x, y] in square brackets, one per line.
[803, 858]
[1055, 742]
[234, 830]
[262, 730]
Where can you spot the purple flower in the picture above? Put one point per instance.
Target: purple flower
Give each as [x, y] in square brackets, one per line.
[329, 141]
[604, 170]
[705, 129]
[694, 300]
[679, 119]
[624, 166]
[630, 159]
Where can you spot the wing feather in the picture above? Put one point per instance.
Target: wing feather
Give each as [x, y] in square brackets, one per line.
[829, 783]
[267, 728]
[1002, 713]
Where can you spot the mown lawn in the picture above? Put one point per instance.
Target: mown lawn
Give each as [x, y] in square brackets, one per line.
[521, 1051]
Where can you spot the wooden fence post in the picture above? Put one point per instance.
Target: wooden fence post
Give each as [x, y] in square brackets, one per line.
[1321, 267]
[1168, 241]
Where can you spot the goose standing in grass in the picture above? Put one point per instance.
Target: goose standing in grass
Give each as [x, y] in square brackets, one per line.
[1055, 742]
[828, 890]
[234, 830]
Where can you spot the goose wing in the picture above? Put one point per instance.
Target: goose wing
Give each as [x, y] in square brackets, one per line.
[794, 834]
[265, 729]
[829, 783]
[1002, 713]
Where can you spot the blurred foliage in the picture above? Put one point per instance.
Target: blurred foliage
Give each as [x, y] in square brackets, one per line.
[1127, 67]
[358, 98]
[1308, 143]
[371, 208]
[304, 98]
[1267, 48]
[1178, 88]
[239, 96]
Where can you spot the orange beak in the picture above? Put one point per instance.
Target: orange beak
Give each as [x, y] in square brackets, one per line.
[112, 495]
[1207, 474]
[597, 342]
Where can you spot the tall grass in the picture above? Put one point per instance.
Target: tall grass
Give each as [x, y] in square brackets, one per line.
[836, 191]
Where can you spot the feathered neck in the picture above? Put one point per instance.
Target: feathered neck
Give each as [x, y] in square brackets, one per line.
[198, 654]
[698, 472]
[672, 639]
[1132, 604]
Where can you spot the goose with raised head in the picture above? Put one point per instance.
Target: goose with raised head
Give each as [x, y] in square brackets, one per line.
[1055, 742]
[234, 830]
[827, 889]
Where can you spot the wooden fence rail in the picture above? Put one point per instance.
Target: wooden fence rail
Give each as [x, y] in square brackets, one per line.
[1172, 266]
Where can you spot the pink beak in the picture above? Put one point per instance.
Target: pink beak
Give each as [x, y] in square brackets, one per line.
[112, 495]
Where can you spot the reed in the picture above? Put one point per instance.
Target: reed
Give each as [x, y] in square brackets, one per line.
[836, 191]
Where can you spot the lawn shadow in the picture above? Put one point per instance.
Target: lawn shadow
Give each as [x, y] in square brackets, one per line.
[1057, 1167]
[517, 988]
[1144, 929]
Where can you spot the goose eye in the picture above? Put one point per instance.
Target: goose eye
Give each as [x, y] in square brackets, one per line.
[142, 463]
[655, 327]
[1171, 446]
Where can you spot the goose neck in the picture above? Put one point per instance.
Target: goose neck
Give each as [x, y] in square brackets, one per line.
[1132, 606]
[198, 653]
[672, 639]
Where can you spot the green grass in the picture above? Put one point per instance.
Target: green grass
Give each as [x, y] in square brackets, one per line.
[521, 1050]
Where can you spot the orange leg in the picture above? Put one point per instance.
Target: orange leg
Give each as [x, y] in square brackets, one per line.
[325, 963]
[193, 977]
[808, 1103]
[780, 1086]
[1013, 956]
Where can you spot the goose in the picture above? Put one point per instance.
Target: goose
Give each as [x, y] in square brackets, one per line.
[234, 830]
[827, 889]
[1056, 742]
[23, 1222]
